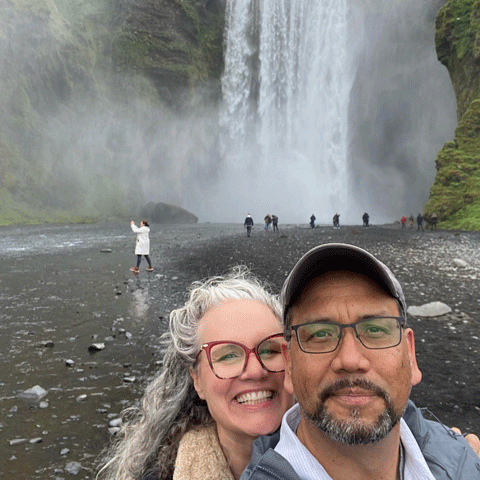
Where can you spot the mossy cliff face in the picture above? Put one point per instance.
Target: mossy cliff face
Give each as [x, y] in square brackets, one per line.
[455, 195]
[82, 65]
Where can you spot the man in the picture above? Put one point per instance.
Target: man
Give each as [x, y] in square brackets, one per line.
[275, 223]
[248, 224]
[351, 364]
[419, 221]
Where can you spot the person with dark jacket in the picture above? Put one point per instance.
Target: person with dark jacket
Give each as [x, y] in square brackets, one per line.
[365, 218]
[419, 221]
[350, 362]
[312, 221]
[275, 223]
[248, 224]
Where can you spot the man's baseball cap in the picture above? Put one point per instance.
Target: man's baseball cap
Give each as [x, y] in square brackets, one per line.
[332, 257]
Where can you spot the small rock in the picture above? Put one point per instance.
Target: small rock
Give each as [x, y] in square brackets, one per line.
[109, 339]
[14, 409]
[433, 309]
[121, 330]
[116, 422]
[17, 441]
[73, 468]
[113, 430]
[81, 398]
[43, 404]
[128, 335]
[35, 393]
[69, 363]
[106, 250]
[129, 379]
[95, 347]
[36, 440]
[64, 451]
[458, 262]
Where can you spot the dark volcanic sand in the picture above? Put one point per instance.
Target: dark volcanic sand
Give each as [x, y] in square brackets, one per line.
[69, 295]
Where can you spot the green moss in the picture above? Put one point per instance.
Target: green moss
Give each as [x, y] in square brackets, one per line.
[455, 194]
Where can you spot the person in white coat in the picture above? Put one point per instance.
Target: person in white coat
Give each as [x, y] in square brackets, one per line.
[142, 246]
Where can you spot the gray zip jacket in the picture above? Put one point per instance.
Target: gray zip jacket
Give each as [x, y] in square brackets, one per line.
[448, 456]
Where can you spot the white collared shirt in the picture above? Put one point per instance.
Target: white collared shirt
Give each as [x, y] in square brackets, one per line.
[308, 468]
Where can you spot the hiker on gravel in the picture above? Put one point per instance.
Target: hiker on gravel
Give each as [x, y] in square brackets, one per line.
[365, 218]
[336, 221]
[403, 221]
[142, 245]
[248, 224]
[268, 221]
[411, 220]
[312, 221]
[420, 222]
[275, 223]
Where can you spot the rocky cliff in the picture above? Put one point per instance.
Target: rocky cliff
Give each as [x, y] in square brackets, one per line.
[70, 73]
[455, 194]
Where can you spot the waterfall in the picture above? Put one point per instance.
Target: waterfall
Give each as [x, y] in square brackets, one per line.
[285, 115]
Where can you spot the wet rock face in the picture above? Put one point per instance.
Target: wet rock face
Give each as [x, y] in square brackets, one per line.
[164, 213]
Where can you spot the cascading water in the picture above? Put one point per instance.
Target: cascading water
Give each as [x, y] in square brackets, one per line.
[286, 91]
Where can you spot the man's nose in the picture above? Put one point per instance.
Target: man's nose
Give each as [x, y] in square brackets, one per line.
[350, 354]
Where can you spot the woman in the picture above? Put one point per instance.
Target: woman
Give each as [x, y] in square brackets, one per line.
[142, 246]
[214, 394]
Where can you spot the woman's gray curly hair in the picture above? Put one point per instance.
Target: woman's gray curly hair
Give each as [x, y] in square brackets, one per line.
[147, 445]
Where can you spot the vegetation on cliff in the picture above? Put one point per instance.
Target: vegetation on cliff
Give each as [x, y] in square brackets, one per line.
[455, 194]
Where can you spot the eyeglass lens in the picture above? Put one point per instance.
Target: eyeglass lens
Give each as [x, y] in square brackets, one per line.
[229, 359]
[374, 333]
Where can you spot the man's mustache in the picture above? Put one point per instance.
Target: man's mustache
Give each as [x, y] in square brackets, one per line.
[362, 383]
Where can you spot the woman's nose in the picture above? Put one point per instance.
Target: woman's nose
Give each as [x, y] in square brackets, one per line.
[253, 368]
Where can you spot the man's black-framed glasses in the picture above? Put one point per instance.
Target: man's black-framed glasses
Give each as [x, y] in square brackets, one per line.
[229, 359]
[375, 333]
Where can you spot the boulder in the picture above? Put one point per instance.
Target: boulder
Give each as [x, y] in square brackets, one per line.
[35, 393]
[165, 213]
[433, 309]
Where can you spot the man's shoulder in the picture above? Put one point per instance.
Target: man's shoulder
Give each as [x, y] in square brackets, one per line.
[446, 453]
[266, 463]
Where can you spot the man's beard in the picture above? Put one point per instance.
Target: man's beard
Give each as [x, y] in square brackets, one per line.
[354, 431]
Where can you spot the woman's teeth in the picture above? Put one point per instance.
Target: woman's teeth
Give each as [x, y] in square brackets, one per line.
[251, 398]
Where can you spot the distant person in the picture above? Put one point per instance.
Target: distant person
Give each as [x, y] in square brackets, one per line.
[365, 218]
[275, 223]
[248, 224]
[336, 221]
[433, 221]
[411, 221]
[403, 221]
[312, 221]
[420, 222]
[142, 246]
[268, 221]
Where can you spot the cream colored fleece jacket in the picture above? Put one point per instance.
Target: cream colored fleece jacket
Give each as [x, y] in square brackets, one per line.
[200, 457]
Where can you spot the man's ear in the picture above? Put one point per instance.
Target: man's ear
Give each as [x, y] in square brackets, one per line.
[196, 382]
[287, 383]
[416, 373]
